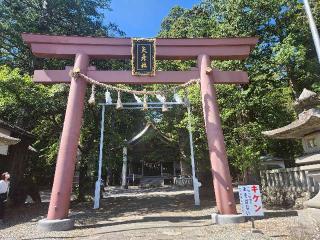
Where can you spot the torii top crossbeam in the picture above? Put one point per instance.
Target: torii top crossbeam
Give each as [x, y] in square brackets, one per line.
[120, 48]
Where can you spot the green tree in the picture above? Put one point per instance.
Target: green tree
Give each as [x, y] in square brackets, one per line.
[72, 17]
[40, 109]
[282, 64]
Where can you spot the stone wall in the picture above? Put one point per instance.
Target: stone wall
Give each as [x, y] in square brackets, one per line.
[182, 181]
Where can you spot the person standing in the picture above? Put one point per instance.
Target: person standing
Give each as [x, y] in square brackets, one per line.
[4, 190]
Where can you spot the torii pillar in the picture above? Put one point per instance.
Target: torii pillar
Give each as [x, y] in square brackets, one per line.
[217, 150]
[63, 178]
[82, 49]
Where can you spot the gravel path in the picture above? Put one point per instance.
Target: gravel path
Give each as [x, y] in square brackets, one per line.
[146, 214]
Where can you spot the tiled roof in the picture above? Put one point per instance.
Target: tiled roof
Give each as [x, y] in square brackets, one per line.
[7, 140]
[15, 129]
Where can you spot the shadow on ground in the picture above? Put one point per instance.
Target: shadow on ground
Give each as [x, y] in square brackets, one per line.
[172, 219]
[140, 205]
[131, 206]
[137, 202]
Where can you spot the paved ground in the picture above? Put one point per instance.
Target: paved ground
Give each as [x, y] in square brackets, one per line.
[146, 214]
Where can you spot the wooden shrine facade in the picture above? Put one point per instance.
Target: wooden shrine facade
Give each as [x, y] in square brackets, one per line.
[146, 157]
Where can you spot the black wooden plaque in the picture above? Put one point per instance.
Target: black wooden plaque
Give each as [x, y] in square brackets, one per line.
[143, 57]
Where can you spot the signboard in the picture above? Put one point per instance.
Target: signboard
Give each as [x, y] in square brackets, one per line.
[250, 200]
[143, 57]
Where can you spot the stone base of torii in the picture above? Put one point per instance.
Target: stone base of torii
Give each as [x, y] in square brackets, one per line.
[84, 49]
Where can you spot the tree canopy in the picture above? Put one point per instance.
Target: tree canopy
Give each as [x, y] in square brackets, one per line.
[283, 63]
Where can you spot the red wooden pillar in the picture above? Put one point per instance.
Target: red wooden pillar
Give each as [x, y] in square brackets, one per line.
[217, 150]
[62, 185]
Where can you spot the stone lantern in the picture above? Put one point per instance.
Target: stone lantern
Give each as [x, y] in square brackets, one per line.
[306, 128]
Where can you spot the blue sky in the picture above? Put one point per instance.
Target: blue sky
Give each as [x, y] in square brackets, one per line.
[142, 18]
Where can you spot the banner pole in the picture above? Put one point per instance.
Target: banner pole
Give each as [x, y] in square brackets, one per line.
[98, 182]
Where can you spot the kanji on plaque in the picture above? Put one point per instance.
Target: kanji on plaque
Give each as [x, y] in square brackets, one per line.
[143, 57]
[250, 200]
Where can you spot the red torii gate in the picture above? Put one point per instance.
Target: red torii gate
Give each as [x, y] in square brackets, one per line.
[82, 49]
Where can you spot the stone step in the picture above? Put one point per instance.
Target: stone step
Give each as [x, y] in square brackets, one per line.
[152, 182]
[309, 221]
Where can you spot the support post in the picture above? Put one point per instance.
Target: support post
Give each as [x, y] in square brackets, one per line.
[217, 150]
[62, 184]
[124, 168]
[196, 184]
[98, 182]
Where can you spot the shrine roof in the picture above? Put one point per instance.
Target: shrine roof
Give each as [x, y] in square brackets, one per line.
[19, 131]
[307, 122]
[150, 130]
[7, 140]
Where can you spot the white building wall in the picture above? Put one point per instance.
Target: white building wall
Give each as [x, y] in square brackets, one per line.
[4, 148]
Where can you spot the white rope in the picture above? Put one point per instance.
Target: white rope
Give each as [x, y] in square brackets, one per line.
[137, 98]
[161, 98]
[76, 74]
[177, 98]
[92, 96]
[108, 97]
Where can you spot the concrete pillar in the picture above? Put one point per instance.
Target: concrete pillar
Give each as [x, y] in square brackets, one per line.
[291, 179]
[285, 178]
[62, 184]
[303, 180]
[217, 150]
[297, 179]
[277, 179]
[268, 179]
[262, 178]
[281, 178]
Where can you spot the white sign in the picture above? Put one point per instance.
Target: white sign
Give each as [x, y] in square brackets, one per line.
[250, 200]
